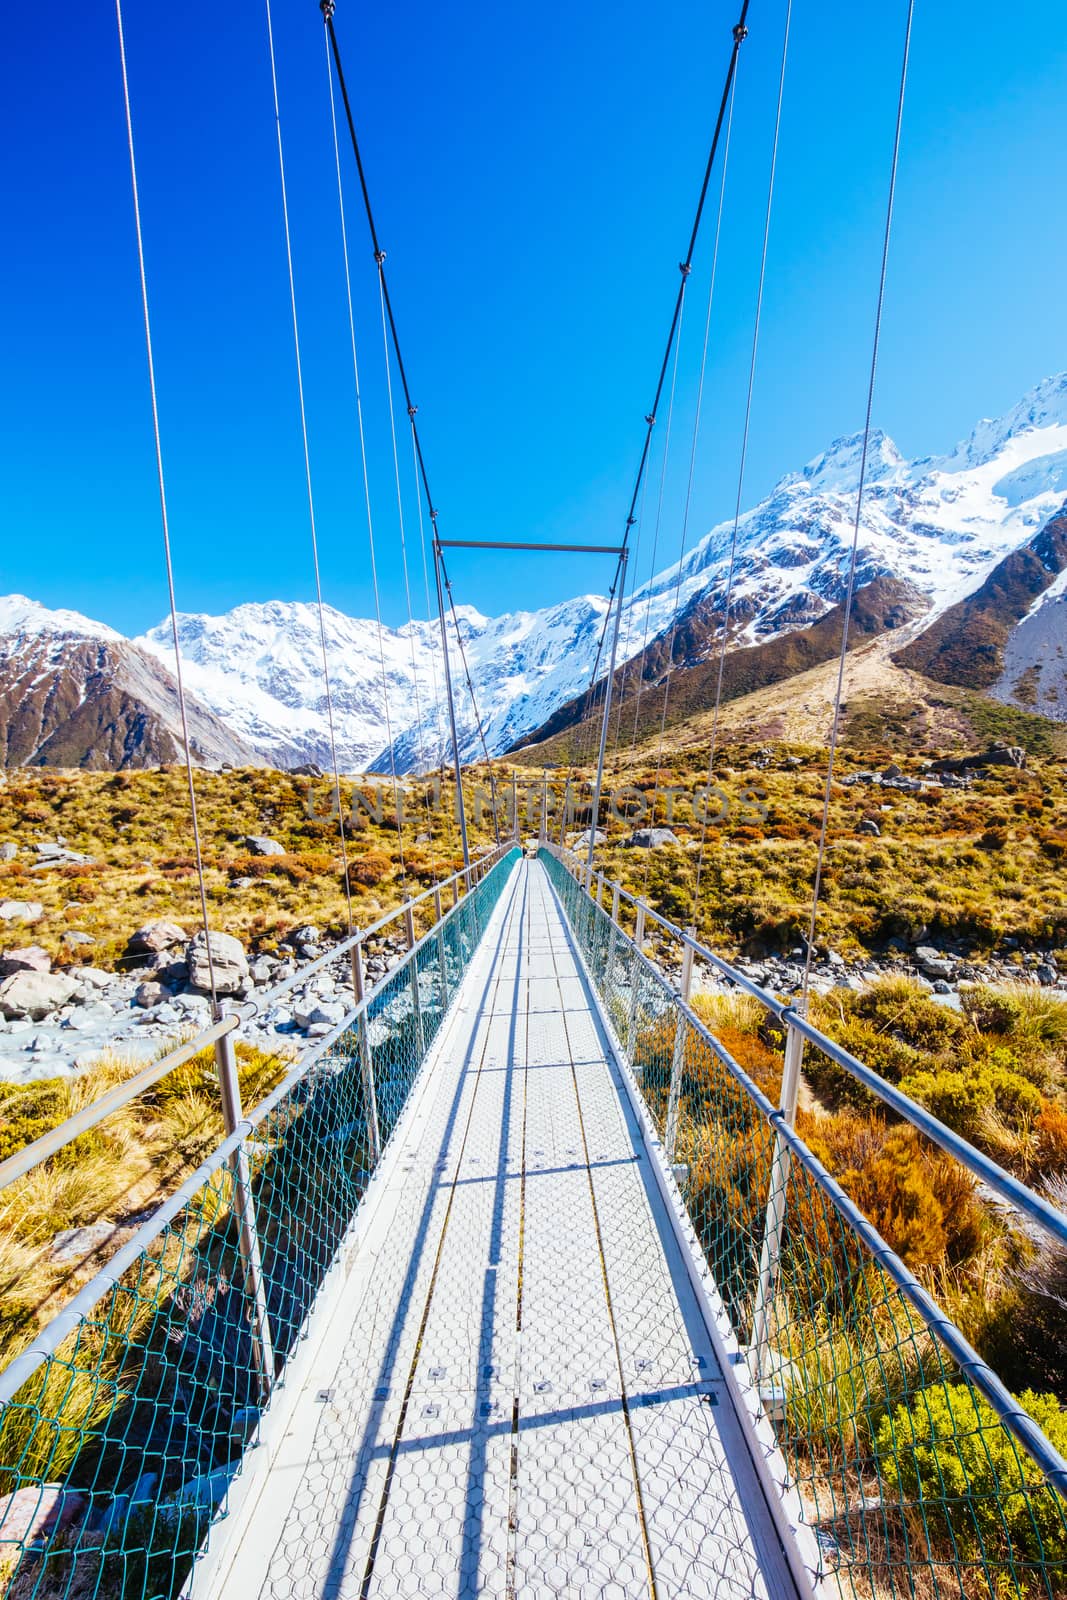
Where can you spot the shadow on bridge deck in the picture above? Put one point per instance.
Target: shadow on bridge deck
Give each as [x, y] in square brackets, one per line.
[514, 1391]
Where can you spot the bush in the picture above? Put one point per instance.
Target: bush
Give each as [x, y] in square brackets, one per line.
[369, 870]
[981, 1495]
[962, 1099]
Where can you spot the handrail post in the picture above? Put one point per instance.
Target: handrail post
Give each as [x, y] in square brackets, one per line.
[437, 912]
[244, 1209]
[674, 1098]
[635, 983]
[366, 1061]
[774, 1223]
[416, 999]
[455, 888]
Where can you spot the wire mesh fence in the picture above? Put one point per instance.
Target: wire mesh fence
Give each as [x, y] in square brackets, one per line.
[917, 1471]
[125, 1423]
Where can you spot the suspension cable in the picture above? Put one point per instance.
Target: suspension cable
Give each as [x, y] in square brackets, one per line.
[168, 561]
[307, 472]
[685, 267]
[403, 538]
[743, 460]
[850, 593]
[327, 9]
[365, 470]
[439, 746]
[694, 441]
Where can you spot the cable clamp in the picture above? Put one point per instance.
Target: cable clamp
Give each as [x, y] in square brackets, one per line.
[740, 33]
[630, 521]
[684, 268]
[379, 256]
[651, 419]
[411, 412]
[326, 7]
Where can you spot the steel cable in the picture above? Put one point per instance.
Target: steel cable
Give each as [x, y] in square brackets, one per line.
[835, 727]
[182, 708]
[307, 470]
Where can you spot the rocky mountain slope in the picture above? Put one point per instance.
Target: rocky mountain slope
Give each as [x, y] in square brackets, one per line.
[74, 693]
[939, 525]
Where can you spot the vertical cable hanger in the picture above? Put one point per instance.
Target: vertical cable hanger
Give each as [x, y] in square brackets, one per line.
[366, 474]
[327, 9]
[167, 556]
[307, 470]
[835, 727]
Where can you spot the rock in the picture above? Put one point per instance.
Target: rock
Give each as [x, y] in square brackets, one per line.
[422, 838]
[892, 771]
[154, 938]
[173, 973]
[243, 883]
[8, 851]
[942, 987]
[29, 959]
[329, 1011]
[21, 910]
[88, 1017]
[35, 994]
[933, 963]
[262, 970]
[319, 1030]
[75, 936]
[1046, 974]
[868, 825]
[308, 934]
[150, 994]
[55, 855]
[196, 1006]
[227, 957]
[650, 838]
[307, 769]
[580, 842]
[998, 755]
[260, 845]
[38, 1512]
[93, 978]
[75, 1243]
[168, 1014]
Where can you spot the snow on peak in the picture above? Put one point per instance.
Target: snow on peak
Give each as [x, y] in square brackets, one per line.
[24, 618]
[1042, 412]
[838, 468]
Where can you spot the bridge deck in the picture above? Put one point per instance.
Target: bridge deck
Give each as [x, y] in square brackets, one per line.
[516, 1393]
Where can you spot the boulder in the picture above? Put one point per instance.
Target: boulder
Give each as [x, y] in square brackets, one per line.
[8, 850]
[74, 1243]
[651, 838]
[308, 934]
[30, 959]
[580, 842]
[227, 957]
[21, 910]
[933, 963]
[154, 938]
[869, 826]
[35, 994]
[1046, 974]
[38, 1512]
[93, 977]
[150, 994]
[57, 855]
[74, 936]
[260, 845]
[998, 755]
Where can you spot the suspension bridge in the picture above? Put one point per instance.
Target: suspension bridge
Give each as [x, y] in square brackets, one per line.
[517, 1283]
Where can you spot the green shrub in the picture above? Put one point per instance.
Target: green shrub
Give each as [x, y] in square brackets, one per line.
[981, 1494]
[962, 1099]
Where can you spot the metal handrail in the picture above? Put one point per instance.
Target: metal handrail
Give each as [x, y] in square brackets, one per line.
[48, 1340]
[31, 1155]
[1017, 1194]
[1008, 1410]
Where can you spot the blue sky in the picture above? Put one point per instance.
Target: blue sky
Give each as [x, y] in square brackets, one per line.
[534, 172]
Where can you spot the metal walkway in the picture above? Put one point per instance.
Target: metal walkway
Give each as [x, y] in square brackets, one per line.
[514, 1390]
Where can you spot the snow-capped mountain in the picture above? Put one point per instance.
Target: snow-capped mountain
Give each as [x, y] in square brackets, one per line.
[939, 523]
[74, 693]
